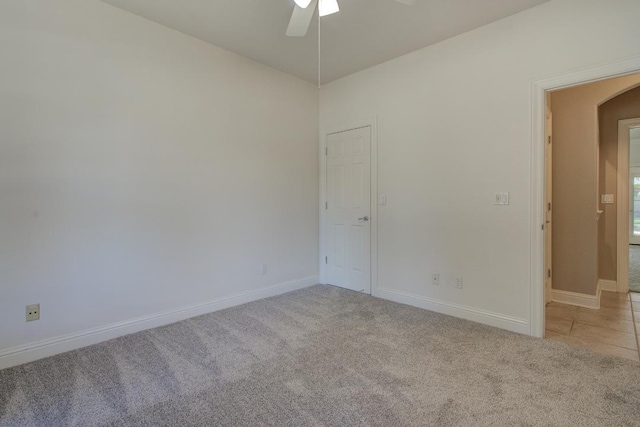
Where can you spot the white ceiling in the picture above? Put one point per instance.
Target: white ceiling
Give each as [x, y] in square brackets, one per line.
[363, 34]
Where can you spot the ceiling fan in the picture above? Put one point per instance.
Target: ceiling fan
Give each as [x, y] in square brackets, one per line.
[304, 10]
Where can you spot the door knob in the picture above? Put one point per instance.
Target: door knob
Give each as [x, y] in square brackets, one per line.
[364, 218]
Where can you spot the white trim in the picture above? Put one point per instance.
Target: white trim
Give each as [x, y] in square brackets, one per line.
[539, 89]
[374, 206]
[60, 344]
[622, 247]
[509, 323]
[322, 194]
[608, 285]
[372, 123]
[574, 298]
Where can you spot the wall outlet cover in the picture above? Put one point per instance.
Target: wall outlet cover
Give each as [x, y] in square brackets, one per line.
[33, 312]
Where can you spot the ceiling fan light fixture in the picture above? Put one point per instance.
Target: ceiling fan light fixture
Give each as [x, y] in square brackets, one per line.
[327, 7]
[303, 3]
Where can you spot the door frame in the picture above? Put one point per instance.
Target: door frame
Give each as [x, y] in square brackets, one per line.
[623, 189]
[539, 88]
[372, 123]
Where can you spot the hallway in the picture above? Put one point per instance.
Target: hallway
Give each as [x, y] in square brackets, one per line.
[613, 329]
[634, 268]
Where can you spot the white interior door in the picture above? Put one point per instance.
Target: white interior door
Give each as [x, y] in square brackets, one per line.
[348, 231]
[548, 227]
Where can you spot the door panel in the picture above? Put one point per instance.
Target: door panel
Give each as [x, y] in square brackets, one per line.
[348, 209]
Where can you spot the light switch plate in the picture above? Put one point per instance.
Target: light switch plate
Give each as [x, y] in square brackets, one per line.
[607, 199]
[501, 199]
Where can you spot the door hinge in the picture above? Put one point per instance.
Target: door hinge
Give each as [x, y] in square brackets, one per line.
[549, 139]
[326, 151]
[542, 227]
[549, 273]
[326, 260]
[326, 205]
[549, 206]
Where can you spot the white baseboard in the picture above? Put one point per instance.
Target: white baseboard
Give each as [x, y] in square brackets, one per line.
[574, 298]
[60, 344]
[509, 323]
[608, 285]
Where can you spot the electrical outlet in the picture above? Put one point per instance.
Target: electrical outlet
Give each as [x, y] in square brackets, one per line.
[457, 282]
[33, 312]
[263, 269]
[435, 279]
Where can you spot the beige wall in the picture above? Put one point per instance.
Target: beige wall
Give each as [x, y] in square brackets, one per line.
[575, 232]
[624, 106]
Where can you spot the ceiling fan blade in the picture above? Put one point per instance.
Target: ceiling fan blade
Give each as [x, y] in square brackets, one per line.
[301, 19]
[328, 7]
[407, 2]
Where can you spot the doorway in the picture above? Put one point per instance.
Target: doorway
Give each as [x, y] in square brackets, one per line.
[348, 209]
[539, 204]
[594, 190]
[629, 214]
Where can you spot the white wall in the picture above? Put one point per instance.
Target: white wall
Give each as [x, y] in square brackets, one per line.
[454, 126]
[142, 170]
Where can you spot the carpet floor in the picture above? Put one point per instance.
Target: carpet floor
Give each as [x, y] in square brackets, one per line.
[634, 268]
[323, 356]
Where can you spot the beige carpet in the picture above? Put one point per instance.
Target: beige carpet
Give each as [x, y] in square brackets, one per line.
[323, 356]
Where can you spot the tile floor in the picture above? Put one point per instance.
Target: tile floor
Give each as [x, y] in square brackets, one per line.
[614, 329]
